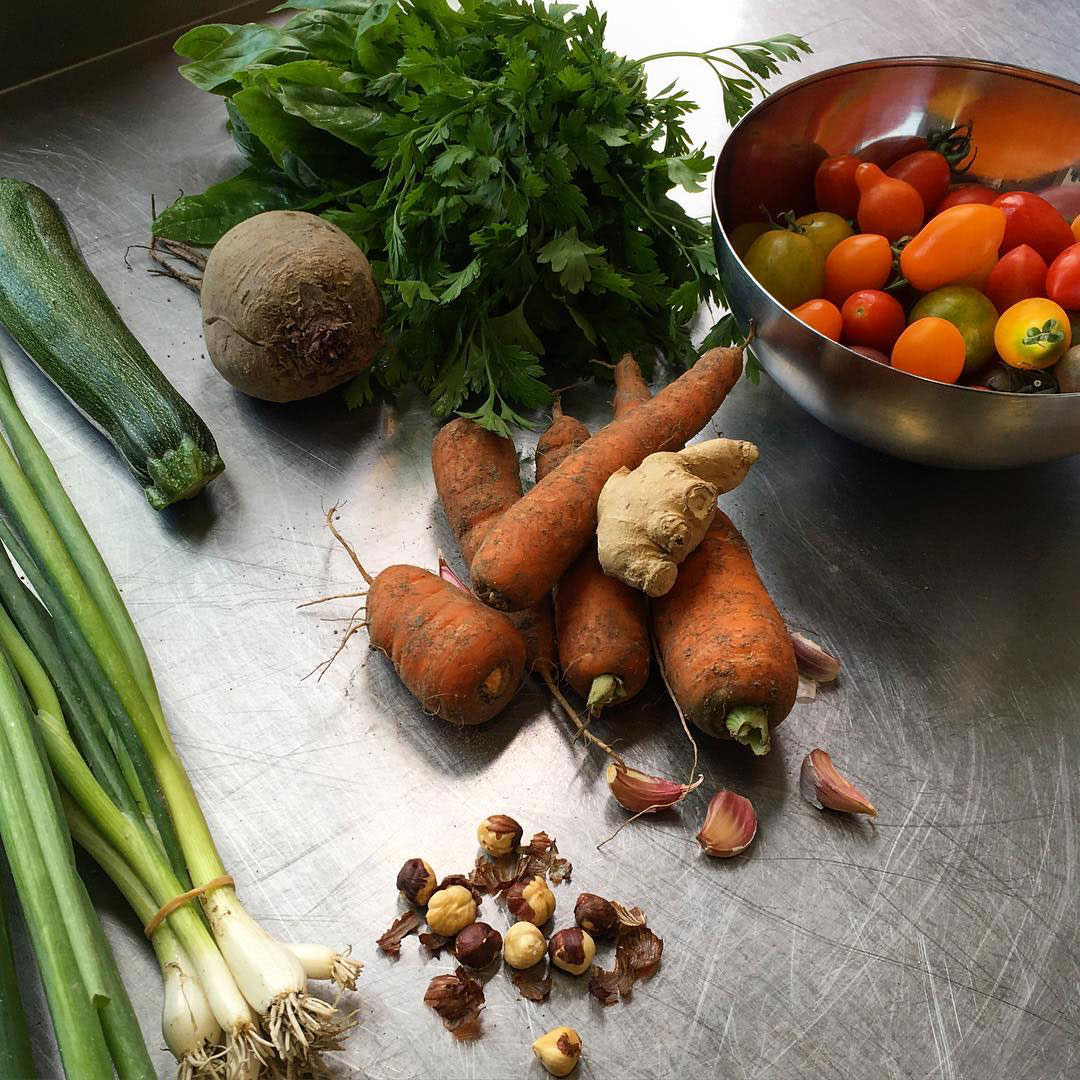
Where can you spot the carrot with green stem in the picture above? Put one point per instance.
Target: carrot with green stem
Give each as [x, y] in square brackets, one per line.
[532, 545]
[723, 646]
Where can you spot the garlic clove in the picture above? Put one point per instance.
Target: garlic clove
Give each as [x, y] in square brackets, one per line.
[730, 825]
[447, 574]
[814, 662]
[823, 786]
[643, 794]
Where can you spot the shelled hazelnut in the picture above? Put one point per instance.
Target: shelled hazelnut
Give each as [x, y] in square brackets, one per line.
[572, 950]
[523, 946]
[416, 881]
[558, 1050]
[477, 945]
[531, 901]
[499, 834]
[595, 914]
[450, 910]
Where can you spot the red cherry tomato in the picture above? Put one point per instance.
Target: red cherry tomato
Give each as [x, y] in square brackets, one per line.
[1030, 219]
[1063, 278]
[1019, 275]
[887, 151]
[834, 185]
[872, 317]
[967, 193]
[887, 206]
[926, 171]
[871, 354]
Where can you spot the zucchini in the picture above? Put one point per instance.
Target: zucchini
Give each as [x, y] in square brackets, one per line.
[55, 308]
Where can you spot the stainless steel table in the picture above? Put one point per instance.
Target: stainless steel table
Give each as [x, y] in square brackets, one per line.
[939, 942]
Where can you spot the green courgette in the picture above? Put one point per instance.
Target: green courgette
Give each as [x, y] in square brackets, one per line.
[55, 308]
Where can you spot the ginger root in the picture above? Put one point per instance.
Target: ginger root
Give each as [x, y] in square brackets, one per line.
[651, 518]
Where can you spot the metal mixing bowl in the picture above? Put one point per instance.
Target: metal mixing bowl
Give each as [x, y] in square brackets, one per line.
[1027, 130]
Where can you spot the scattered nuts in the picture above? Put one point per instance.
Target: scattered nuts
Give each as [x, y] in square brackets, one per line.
[730, 825]
[450, 910]
[477, 945]
[531, 901]
[643, 794]
[499, 834]
[416, 881]
[822, 785]
[558, 1050]
[572, 950]
[523, 946]
[595, 914]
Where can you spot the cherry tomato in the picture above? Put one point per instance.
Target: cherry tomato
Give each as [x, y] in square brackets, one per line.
[834, 185]
[872, 317]
[958, 247]
[871, 354]
[821, 316]
[967, 193]
[890, 207]
[927, 172]
[776, 173]
[1032, 220]
[863, 261]
[970, 312]
[1063, 278]
[825, 229]
[788, 265]
[1018, 275]
[887, 151]
[932, 348]
[1032, 334]
[1076, 227]
[742, 236]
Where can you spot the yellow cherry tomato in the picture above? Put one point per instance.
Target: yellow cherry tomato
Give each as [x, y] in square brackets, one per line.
[825, 230]
[1032, 334]
[742, 236]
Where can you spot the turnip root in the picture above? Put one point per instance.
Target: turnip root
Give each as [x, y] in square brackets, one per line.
[651, 518]
[290, 306]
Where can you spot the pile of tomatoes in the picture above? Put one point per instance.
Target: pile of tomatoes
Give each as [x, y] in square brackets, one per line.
[951, 281]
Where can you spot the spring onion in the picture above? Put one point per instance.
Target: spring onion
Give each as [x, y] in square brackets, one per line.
[16, 1057]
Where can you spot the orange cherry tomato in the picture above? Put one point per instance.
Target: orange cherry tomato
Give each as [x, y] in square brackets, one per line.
[821, 316]
[834, 185]
[957, 247]
[1076, 227]
[927, 171]
[863, 261]
[1033, 334]
[932, 348]
[887, 206]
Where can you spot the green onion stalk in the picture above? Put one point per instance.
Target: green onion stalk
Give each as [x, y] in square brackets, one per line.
[100, 718]
[16, 1055]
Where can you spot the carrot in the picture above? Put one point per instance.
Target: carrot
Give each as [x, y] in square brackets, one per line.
[560, 440]
[533, 543]
[463, 661]
[601, 625]
[722, 645]
[477, 478]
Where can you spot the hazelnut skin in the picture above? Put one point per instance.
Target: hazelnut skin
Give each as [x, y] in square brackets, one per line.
[477, 945]
[558, 1050]
[596, 915]
[523, 946]
[531, 901]
[572, 950]
[499, 834]
[416, 881]
[450, 910]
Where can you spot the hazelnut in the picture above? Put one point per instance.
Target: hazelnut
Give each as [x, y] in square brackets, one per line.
[450, 910]
[531, 901]
[523, 946]
[477, 945]
[416, 881]
[572, 950]
[558, 1050]
[595, 914]
[498, 834]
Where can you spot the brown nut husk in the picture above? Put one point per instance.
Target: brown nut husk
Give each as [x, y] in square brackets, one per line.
[572, 950]
[477, 945]
[416, 881]
[499, 834]
[531, 901]
[458, 999]
[822, 785]
[596, 915]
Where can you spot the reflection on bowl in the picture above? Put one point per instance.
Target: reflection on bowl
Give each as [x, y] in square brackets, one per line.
[1027, 130]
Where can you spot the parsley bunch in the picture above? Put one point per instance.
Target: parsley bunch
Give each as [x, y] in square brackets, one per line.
[507, 175]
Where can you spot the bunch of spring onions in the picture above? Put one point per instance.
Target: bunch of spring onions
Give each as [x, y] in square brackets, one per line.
[76, 691]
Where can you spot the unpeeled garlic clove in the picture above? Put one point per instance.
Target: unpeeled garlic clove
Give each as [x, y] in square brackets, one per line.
[448, 575]
[643, 794]
[814, 662]
[823, 786]
[730, 825]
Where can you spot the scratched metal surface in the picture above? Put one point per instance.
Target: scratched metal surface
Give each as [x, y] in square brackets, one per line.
[939, 942]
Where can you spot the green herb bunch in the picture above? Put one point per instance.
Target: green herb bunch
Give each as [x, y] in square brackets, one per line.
[507, 175]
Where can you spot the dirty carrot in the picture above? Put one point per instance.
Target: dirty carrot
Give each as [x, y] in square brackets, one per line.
[723, 646]
[631, 389]
[564, 435]
[533, 543]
